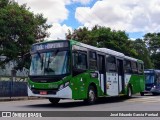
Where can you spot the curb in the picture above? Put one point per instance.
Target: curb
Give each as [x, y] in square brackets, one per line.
[18, 98]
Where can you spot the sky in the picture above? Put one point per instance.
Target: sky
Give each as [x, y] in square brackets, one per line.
[135, 17]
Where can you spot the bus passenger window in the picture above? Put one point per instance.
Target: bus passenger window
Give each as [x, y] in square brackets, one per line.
[92, 60]
[127, 66]
[80, 61]
[140, 68]
[111, 64]
[134, 67]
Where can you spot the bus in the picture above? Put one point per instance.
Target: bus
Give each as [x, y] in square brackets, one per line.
[67, 69]
[152, 81]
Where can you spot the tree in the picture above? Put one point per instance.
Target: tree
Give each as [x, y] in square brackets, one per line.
[100, 36]
[19, 28]
[156, 60]
[152, 40]
[142, 52]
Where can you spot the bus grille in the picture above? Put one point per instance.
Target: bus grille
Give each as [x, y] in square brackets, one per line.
[49, 91]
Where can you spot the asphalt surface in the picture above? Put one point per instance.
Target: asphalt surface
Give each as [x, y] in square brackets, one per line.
[137, 103]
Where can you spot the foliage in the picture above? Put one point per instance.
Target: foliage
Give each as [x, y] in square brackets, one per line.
[103, 37]
[152, 41]
[19, 28]
[142, 52]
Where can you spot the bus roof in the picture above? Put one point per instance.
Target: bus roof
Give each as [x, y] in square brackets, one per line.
[104, 50]
[112, 52]
[130, 58]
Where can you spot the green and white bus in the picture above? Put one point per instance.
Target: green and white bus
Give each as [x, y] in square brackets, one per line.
[67, 69]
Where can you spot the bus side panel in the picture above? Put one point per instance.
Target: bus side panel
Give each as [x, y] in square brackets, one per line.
[136, 81]
[112, 84]
[80, 84]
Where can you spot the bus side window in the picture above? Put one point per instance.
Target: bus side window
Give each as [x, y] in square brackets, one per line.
[80, 61]
[134, 67]
[140, 68]
[127, 66]
[92, 60]
[111, 63]
[101, 64]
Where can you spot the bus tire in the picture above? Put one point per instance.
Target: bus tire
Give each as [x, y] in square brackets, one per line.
[129, 92]
[142, 93]
[54, 100]
[91, 95]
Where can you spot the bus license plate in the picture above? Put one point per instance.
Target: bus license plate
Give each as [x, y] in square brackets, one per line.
[43, 92]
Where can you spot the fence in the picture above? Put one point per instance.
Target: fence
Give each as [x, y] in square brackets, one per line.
[12, 82]
[13, 88]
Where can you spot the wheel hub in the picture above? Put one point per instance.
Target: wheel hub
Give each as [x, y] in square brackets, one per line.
[91, 95]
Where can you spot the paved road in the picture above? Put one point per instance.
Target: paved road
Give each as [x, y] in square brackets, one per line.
[137, 103]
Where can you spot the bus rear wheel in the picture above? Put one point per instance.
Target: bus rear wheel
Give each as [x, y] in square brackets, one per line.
[91, 97]
[54, 100]
[142, 93]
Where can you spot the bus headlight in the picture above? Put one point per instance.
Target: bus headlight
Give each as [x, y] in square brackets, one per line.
[30, 86]
[61, 87]
[66, 84]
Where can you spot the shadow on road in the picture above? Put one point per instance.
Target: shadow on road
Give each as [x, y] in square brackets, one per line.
[71, 104]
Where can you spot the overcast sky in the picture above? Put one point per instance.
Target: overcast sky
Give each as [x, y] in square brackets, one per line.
[136, 17]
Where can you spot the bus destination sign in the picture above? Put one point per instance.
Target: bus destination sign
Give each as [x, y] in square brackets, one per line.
[50, 45]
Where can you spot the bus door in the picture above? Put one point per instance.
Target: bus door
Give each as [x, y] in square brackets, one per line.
[102, 75]
[111, 76]
[120, 75]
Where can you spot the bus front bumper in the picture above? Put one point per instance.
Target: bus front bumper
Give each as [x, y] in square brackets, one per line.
[64, 93]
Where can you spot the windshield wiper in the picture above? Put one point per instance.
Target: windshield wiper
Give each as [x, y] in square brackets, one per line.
[47, 69]
[41, 59]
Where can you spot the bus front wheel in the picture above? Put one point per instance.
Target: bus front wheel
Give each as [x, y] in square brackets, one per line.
[54, 100]
[91, 96]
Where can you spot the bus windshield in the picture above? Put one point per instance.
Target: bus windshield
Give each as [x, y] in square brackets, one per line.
[49, 63]
[149, 78]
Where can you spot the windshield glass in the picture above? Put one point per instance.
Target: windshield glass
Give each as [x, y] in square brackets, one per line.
[49, 63]
[149, 78]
